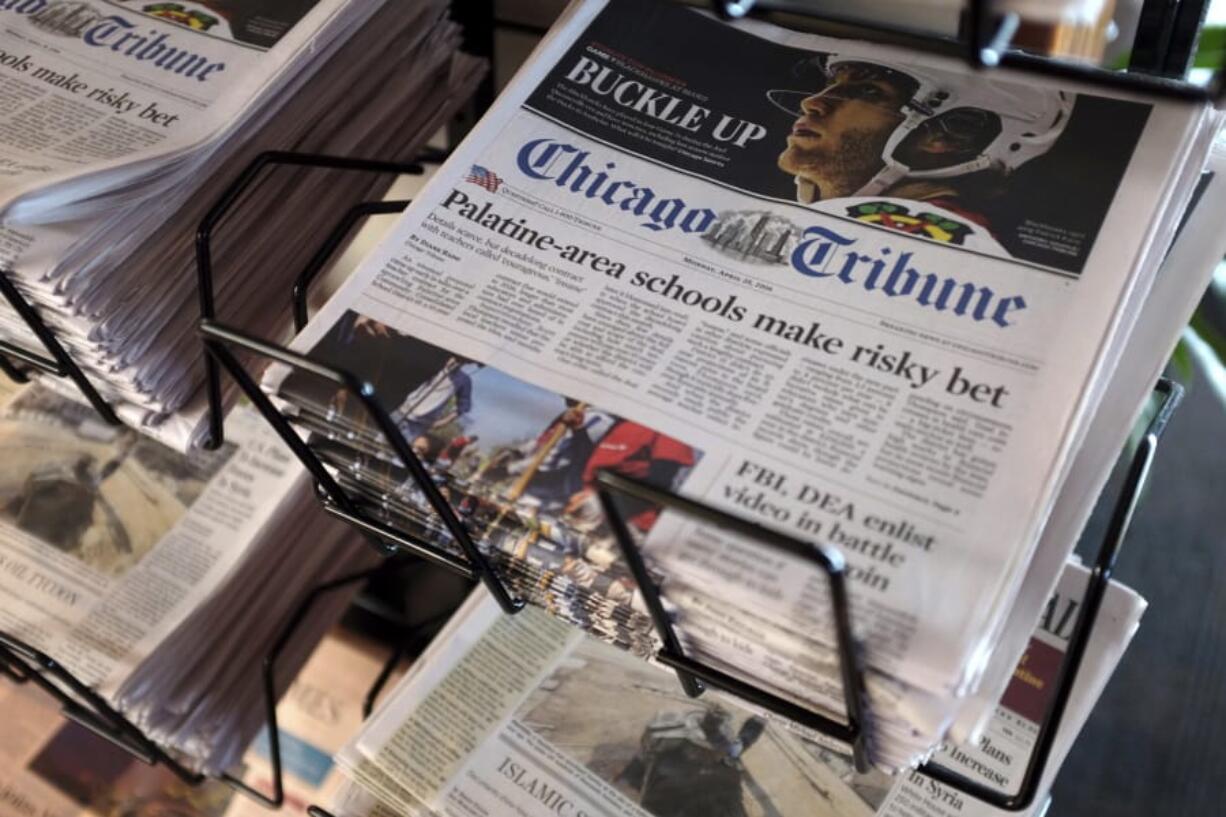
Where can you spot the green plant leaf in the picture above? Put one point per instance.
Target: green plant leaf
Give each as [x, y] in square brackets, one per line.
[1212, 47]
[1207, 346]
[1183, 362]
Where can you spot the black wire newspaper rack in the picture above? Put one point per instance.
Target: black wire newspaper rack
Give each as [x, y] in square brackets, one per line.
[984, 45]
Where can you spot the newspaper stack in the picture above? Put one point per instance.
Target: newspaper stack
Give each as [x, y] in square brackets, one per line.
[860, 295]
[122, 123]
[568, 719]
[52, 765]
[146, 573]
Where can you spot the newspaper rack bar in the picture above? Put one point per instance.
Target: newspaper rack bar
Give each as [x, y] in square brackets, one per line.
[693, 674]
[1169, 395]
[210, 223]
[22, 664]
[987, 36]
[473, 564]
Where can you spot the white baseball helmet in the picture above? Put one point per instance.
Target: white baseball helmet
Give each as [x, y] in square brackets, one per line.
[1026, 122]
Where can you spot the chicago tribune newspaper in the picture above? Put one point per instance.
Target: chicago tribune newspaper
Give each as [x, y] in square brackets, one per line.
[99, 93]
[142, 114]
[528, 718]
[861, 295]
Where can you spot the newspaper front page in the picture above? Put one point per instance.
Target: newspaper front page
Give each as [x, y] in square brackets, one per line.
[580, 728]
[852, 293]
[95, 89]
[108, 539]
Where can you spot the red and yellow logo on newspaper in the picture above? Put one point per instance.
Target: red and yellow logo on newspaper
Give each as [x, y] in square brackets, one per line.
[178, 13]
[898, 217]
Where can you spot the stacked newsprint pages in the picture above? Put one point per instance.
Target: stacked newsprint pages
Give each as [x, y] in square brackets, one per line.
[860, 295]
[121, 124]
[524, 716]
[147, 573]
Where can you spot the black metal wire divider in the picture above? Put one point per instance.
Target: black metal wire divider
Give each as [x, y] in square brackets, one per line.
[689, 671]
[472, 564]
[693, 673]
[1169, 394]
[204, 250]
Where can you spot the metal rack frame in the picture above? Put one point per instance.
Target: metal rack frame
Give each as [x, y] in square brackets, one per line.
[693, 674]
[984, 45]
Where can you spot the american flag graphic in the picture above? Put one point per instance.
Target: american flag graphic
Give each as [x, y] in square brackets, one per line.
[485, 178]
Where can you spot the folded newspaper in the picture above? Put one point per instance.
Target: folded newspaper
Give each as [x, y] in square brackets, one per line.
[122, 123]
[145, 572]
[522, 716]
[862, 295]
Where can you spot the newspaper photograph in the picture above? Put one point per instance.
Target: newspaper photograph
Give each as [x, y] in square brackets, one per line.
[108, 540]
[514, 456]
[101, 494]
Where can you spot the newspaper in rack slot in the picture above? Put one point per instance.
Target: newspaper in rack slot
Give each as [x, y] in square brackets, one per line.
[121, 125]
[865, 296]
[581, 728]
